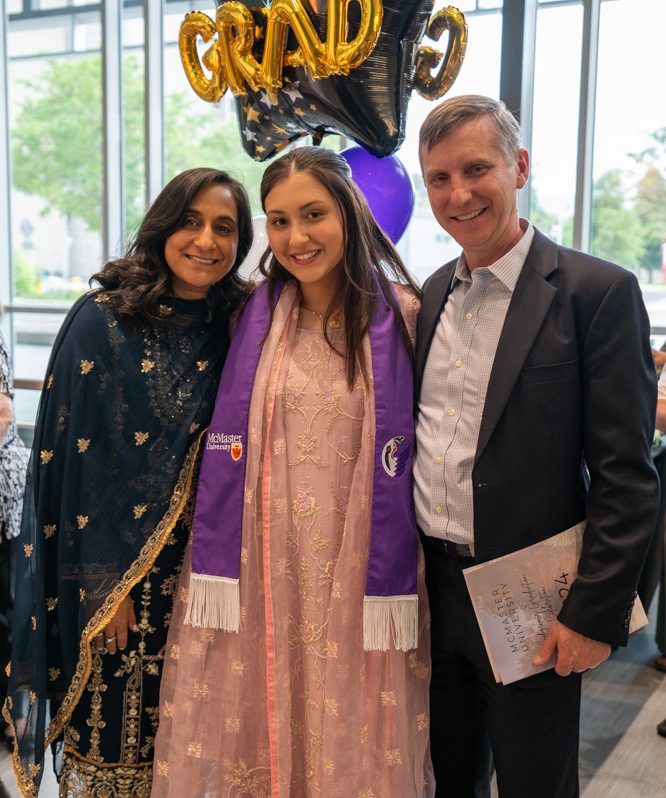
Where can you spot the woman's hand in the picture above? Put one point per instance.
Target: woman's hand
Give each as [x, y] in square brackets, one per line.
[114, 636]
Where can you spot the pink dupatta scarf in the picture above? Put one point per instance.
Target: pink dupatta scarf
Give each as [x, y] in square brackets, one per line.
[294, 705]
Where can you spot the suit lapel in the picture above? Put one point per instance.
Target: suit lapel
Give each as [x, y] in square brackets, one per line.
[530, 302]
[434, 298]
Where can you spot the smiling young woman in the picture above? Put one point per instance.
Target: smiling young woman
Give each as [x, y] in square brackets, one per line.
[306, 236]
[310, 597]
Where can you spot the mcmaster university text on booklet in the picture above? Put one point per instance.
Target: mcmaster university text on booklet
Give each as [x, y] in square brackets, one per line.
[517, 597]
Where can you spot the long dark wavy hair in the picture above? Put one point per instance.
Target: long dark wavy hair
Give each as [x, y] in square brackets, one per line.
[138, 281]
[369, 262]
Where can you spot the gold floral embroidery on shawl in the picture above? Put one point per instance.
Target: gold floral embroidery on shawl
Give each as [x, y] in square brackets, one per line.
[96, 624]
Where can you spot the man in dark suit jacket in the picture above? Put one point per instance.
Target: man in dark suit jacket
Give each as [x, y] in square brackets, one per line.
[536, 411]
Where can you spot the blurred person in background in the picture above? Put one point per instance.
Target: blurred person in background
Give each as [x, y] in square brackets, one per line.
[13, 463]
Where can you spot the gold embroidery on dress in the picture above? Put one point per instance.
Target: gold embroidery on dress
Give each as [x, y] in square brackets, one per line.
[83, 777]
[135, 573]
[393, 757]
[97, 687]
[247, 781]
[134, 664]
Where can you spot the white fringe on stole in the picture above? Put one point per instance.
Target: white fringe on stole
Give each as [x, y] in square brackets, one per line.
[386, 617]
[213, 603]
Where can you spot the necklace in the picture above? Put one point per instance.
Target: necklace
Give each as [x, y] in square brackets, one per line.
[333, 321]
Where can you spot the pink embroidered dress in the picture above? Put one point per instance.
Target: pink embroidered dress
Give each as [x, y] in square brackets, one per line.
[292, 706]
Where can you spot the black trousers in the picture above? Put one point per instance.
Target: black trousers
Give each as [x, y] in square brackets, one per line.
[532, 725]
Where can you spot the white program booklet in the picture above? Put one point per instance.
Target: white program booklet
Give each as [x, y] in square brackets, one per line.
[517, 597]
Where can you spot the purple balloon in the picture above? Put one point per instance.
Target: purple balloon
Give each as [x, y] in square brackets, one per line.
[386, 185]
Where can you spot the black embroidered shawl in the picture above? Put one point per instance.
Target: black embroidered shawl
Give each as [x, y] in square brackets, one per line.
[112, 462]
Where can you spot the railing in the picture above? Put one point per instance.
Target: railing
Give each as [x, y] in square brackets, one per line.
[44, 306]
[28, 385]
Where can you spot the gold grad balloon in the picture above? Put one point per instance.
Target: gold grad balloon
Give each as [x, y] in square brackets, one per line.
[432, 88]
[327, 82]
[230, 58]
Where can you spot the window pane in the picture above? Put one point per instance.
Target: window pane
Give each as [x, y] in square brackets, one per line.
[466, 5]
[199, 133]
[134, 119]
[55, 135]
[25, 411]
[36, 36]
[425, 246]
[34, 334]
[555, 125]
[43, 5]
[629, 208]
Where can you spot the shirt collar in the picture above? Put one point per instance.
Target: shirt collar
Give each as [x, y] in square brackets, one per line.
[507, 269]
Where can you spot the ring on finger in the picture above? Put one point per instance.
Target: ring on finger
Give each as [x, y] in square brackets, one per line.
[110, 639]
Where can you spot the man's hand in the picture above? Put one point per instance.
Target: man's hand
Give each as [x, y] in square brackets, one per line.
[114, 636]
[575, 653]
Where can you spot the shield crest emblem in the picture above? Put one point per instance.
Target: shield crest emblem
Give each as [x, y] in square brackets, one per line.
[236, 451]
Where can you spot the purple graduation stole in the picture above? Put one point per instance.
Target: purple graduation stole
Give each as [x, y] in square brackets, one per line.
[390, 607]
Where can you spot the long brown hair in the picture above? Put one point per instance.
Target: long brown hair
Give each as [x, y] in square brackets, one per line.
[369, 262]
[138, 281]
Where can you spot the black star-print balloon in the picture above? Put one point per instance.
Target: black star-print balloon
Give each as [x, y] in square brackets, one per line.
[369, 104]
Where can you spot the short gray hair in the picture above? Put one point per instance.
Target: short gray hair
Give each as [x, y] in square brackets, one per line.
[448, 116]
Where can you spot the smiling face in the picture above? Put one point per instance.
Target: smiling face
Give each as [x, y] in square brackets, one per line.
[472, 190]
[203, 249]
[305, 232]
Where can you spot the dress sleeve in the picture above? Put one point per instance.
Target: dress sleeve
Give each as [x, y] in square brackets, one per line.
[617, 416]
